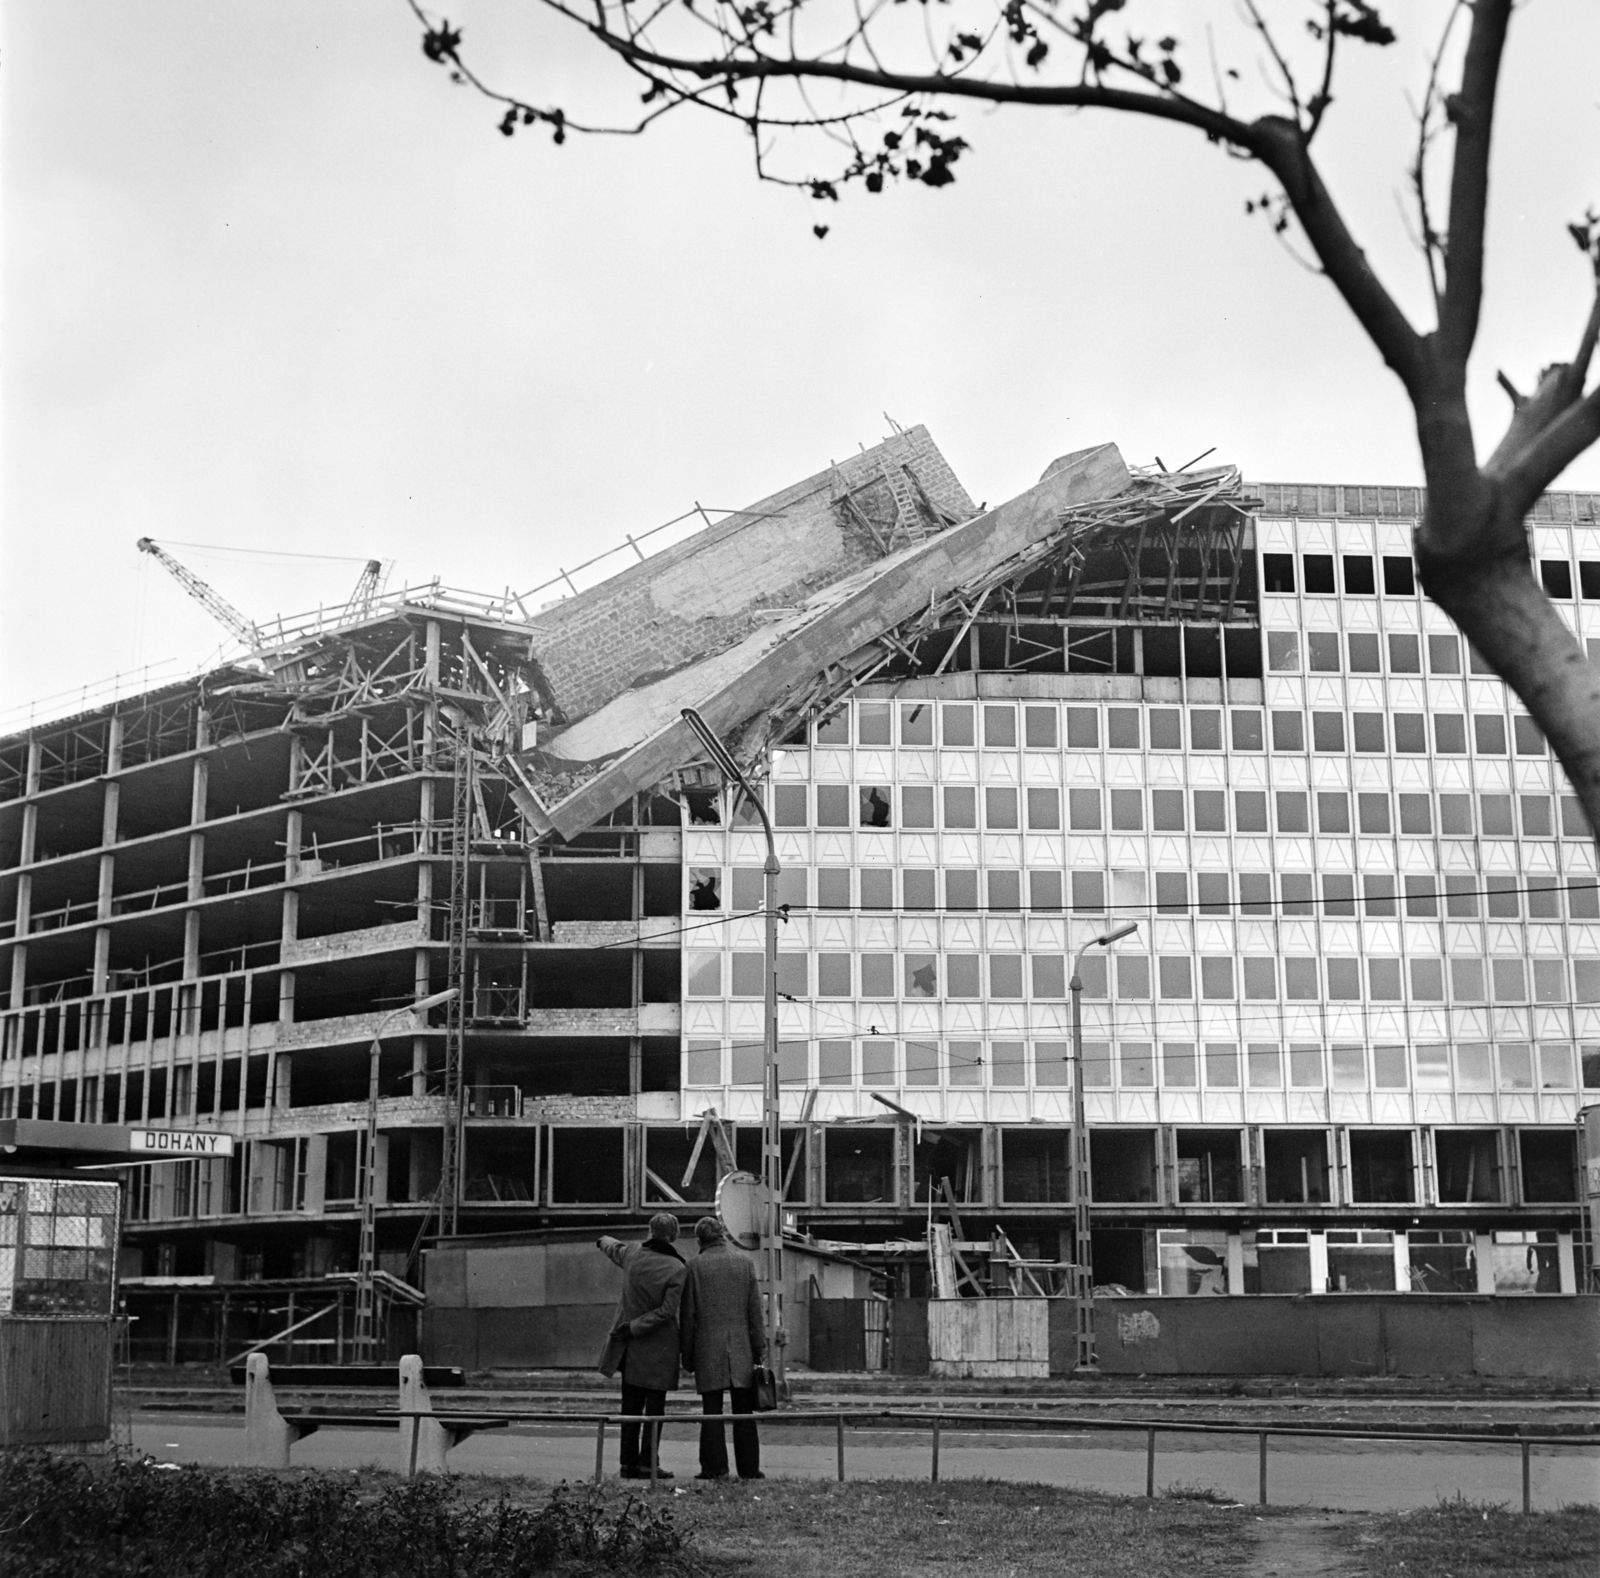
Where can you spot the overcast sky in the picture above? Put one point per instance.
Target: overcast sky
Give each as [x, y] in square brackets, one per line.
[271, 283]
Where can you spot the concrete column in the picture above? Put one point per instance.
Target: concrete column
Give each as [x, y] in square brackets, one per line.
[1483, 1254]
[316, 1174]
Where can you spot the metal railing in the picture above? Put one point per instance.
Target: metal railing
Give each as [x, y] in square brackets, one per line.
[977, 1423]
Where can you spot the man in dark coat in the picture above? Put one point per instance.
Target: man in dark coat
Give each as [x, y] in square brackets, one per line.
[644, 1336]
[723, 1341]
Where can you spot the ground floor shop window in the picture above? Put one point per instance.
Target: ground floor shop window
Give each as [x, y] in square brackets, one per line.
[1442, 1261]
[1360, 1260]
[1526, 1261]
[1192, 1260]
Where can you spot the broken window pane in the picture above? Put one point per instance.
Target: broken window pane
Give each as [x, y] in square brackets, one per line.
[875, 805]
[705, 888]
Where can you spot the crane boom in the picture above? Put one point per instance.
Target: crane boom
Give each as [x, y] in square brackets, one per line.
[207, 596]
[366, 589]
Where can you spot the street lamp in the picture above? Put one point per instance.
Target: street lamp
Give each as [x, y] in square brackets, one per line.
[771, 1141]
[366, 1322]
[1082, 1249]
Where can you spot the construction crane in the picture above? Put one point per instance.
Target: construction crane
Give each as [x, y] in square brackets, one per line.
[368, 585]
[207, 596]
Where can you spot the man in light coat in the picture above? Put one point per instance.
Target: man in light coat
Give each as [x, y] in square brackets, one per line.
[644, 1336]
[723, 1341]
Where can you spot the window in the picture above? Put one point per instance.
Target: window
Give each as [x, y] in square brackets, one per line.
[1205, 729]
[1333, 812]
[1549, 981]
[960, 889]
[1255, 893]
[1166, 810]
[1000, 726]
[1503, 898]
[960, 806]
[1250, 810]
[1166, 729]
[1277, 572]
[1172, 893]
[1322, 648]
[1288, 731]
[1005, 890]
[1365, 653]
[1427, 980]
[1327, 731]
[1050, 975]
[1510, 980]
[921, 975]
[1300, 980]
[916, 805]
[1344, 980]
[1574, 824]
[1216, 979]
[1349, 1064]
[833, 975]
[1536, 822]
[1489, 733]
[1007, 1060]
[919, 889]
[1305, 1067]
[1378, 892]
[1122, 729]
[1461, 897]
[1127, 810]
[874, 805]
[1178, 1063]
[1213, 892]
[748, 975]
[1044, 889]
[1044, 809]
[916, 723]
[1210, 810]
[1466, 980]
[702, 972]
[1399, 576]
[1039, 727]
[1005, 975]
[877, 888]
[833, 805]
[1416, 815]
[1528, 735]
[956, 719]
[1292, 812]
[1246, 725]
[1133, 977]
[1283, 651]
[834, 729]
[1450, 734]
[1455, 815]
[833, 888]
[1338, 894]
[1410, 734]
[1383, 982]
[1297, 893]
[1083, 729]
[1260, 980]
[1264, 1065]
[1176, 975]
[1088, 893]
[873, 723]
[1083, 805]
[1405, 654]
[1373, 811]
[1358, 577]
[1318, 568]
[999, 807]
[1589, 578]
[1495, 809]
[961, 975]
[1368, 731]
[1444, 655]
[1556, 574]
[789, 805]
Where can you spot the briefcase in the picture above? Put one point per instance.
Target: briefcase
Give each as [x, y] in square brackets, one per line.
[766, 1384]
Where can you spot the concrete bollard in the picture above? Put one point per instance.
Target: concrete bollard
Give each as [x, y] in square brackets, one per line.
[267, 1434]
[423, 1442]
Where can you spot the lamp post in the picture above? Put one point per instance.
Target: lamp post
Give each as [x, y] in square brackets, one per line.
[367, 1265]
[1082, 1250]
[771, 1134]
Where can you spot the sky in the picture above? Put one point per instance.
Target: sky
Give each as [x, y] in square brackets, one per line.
[272, 286]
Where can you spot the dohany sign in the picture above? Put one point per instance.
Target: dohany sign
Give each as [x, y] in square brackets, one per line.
[179, 1142]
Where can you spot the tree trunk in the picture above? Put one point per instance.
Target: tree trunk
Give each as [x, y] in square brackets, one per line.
[1502, 609]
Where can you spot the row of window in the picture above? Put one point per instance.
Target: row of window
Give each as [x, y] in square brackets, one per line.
[1460, 896]
[1357, 575]
[1125, 730]
[1003, 976]
[1008, 809]
[1145, 1065]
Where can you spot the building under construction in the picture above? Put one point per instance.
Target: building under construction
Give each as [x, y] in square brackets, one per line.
[1344, 1051]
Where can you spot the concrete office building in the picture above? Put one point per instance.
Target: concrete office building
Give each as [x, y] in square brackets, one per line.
[1344, 1051]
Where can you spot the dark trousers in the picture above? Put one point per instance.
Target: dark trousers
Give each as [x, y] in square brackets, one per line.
[746, 1439]
[640, 1400]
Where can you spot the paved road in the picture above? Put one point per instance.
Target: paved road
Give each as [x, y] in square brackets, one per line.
[1351, 1476]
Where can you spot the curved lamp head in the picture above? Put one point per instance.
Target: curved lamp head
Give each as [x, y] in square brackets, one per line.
[1105, 939]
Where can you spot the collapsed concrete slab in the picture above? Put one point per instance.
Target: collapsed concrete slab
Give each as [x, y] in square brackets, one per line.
[702, 595]
[637, 738]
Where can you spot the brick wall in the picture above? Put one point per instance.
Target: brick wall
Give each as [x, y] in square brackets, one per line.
[702, 595]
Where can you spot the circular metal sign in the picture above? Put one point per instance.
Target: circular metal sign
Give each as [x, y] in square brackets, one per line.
[741, 1203]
